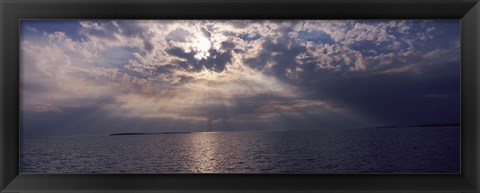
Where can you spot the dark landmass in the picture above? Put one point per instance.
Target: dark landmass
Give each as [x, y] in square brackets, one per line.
[380, 127]
[437, 125]
[390, 126]
[113, 134]
[424, 125]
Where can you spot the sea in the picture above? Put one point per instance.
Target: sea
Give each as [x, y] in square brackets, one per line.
[324, 151]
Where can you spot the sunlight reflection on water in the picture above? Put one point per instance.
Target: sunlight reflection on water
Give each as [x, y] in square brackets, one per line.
[203, 152]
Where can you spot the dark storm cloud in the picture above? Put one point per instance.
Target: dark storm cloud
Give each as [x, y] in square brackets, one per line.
[228, 45]
[179, 52]
[282, 53]
[216, 62]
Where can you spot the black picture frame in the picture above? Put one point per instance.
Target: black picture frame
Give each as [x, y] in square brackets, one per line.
[13, 10]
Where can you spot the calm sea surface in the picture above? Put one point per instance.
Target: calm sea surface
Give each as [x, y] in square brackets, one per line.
[378, 150]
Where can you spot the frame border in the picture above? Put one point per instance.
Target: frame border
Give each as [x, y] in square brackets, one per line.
[13, 10]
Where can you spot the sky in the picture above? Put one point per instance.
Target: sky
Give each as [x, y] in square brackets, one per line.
[95, 77]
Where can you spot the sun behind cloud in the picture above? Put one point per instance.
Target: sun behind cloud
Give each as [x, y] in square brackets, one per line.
[202, 46]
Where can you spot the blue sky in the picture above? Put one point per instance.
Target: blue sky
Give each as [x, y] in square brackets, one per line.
[94, 77]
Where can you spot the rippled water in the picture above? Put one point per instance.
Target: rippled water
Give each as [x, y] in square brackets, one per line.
[379, 150]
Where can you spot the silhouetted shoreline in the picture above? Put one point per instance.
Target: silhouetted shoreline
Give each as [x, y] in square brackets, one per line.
[379, 127]
[423, 125]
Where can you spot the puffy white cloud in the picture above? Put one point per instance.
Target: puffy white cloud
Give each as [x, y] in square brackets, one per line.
[51, 80]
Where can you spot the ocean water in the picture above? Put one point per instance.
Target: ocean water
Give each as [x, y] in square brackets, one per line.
[374, 150]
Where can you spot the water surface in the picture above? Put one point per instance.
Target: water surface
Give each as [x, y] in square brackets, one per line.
[374, 150]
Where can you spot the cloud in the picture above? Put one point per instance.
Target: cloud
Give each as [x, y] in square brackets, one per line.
[441, 53]
[220, 74]
[32, 29]
[434, 59]
[332, 57]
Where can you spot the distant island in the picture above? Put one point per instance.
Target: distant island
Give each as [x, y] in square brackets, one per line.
[424, 125]
[379, 127]
[162, 133]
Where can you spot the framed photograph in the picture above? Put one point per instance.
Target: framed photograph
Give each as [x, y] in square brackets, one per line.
[195, 96]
